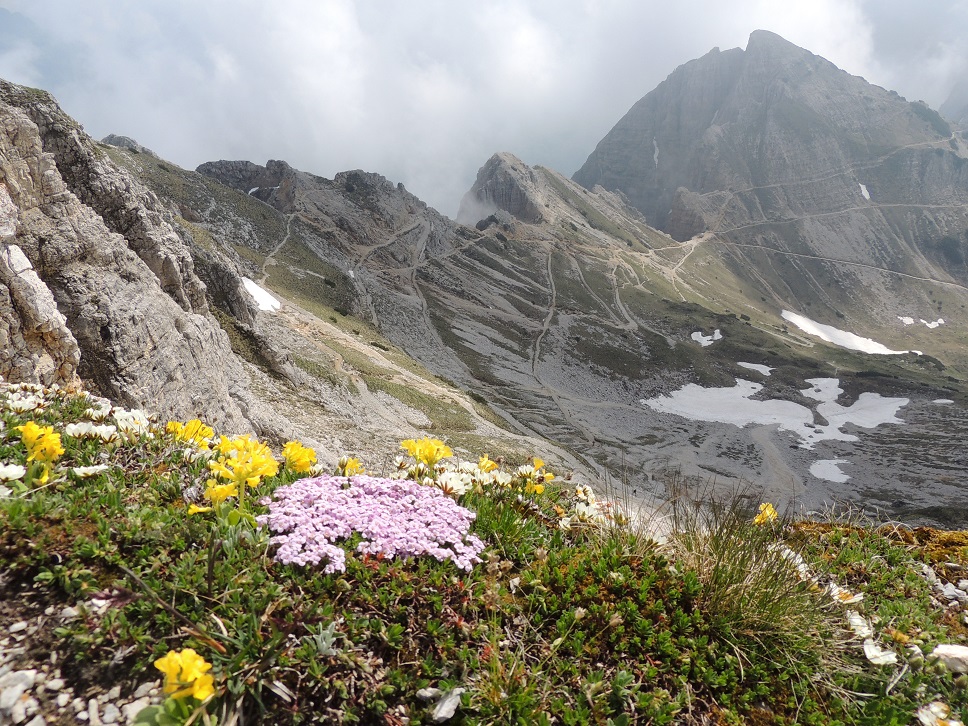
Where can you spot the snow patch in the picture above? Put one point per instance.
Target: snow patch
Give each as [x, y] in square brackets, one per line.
[942, 400]
[263, 299]
[829, 469]
[839, 337]
[350, 273]
[735, 406]
[765, 370]
[253, 190]
[906, 320]
[863, 190]
[934, 324]
[705, 340]
[655, 152]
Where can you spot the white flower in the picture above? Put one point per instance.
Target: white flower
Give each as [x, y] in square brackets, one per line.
[132, 424]
[859, 624]
[5, 492]
[19, 403]
[87, 471]
[317, 469]
[453, 482]
[564, 523]
[845, 597]
[936, 714]
[501, 478]
[878, 655]
[99, 413]
[9, 472]
[584, 493]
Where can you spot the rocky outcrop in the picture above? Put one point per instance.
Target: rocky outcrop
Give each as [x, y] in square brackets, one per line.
[36, 345]
[126, 142]
[504, 183]
[120, 276]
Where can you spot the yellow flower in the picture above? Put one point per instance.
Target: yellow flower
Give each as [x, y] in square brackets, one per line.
[767, 514]
[185, 674]
[348, 466]
[217, 493]
[41, 442]
[192, 432]
[486, 465]
[428, 451]
[299, 458]
[195, 509]
[244, 461]
[203, 687]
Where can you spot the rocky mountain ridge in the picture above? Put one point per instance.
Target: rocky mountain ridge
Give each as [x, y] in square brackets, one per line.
[782, 159]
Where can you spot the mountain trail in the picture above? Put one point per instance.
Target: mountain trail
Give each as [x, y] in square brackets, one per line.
[271, 257]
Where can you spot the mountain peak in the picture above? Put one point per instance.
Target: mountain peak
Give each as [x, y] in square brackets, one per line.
[506, 183]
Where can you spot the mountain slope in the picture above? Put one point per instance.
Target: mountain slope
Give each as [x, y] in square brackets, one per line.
[812, 186]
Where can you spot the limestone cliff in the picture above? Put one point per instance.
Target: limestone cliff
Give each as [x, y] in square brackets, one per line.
[99, 245]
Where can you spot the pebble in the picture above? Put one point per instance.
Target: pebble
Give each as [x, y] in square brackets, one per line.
[63, 699]
[114, 694]
[112, 714]
[54, 684]
[17, 627]
[132, 709]
[92, 712]
[37, 720]
[143, 690]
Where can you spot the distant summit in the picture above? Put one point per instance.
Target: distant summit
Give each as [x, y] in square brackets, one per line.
[955, 107]
[818, 181]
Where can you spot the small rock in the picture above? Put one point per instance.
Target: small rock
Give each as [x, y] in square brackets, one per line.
[83, 716]
[17, 627]
[63, 699]
[130, 710]
[111, 714]
[54, 684]
[115, 693]
[69, 613]
[447, 706]
[963, 585]
[10, 696]
[429, 694]
[93, 712]
[955, 657]
[928, 574]
[78, 704]
[26, 678]
[18, 714]
[144, 689]
[37, 720]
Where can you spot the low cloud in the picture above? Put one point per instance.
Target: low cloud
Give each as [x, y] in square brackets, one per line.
[422, 92]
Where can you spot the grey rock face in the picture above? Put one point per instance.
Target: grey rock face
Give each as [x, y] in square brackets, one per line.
[504, 183]
[776, 148]
[35, 343]
[130, 297]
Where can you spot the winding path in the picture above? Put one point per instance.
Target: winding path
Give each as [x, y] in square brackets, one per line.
[270, 258]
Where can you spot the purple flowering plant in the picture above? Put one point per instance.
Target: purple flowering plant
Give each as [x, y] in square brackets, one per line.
[394, 517]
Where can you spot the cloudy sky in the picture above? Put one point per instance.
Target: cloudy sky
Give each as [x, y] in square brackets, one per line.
[424, 91]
